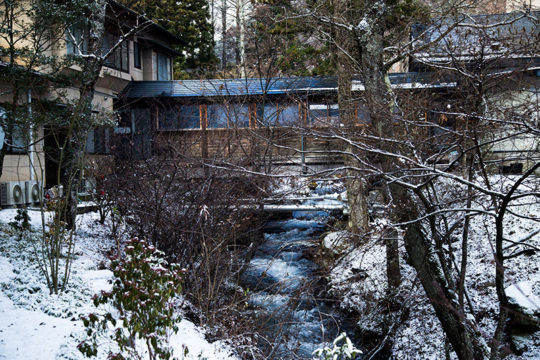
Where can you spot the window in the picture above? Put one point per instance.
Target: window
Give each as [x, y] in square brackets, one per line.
[288, 115]
[217, 116]
[267, 114]
[98, 141]
[168, 119]
[119, 58]
[441, 131]
[362, 115]
[239, 115]
[137, 55]
[318, 114]
[90, 148]
[333, 113]
[179, 117]
[76, 41]
[189, 117]
[162, 67]
[15, 142]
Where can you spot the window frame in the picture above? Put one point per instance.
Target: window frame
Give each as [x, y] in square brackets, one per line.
[11, 149]
[137, 55]
[177, 120]
[119, 58]
[224, 108]
[156, 64]
[98, 141]
[77, 43]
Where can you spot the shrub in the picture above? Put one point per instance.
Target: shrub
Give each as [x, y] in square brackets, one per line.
[21, 222]
[345, 350]
[142, 297]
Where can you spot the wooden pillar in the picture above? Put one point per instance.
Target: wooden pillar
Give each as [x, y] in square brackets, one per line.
[204, 133]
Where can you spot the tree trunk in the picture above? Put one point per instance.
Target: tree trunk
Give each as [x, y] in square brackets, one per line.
[461, 334]
[380, 103]
[356, 186]
[223, 34]
[81, 123]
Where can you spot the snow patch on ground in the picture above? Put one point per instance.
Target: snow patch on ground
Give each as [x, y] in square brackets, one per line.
[359, 279]
[37, 325]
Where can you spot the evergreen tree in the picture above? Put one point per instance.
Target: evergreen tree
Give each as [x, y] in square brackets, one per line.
[285, 44]
[189, 20]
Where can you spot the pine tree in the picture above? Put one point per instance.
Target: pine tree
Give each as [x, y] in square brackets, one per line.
[189, 20]
[285, 44]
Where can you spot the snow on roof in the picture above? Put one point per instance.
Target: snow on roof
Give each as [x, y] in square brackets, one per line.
[500, 35]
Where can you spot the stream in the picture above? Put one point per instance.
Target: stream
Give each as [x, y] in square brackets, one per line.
[282, 283]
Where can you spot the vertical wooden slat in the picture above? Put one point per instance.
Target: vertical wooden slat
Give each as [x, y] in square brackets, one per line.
[204, 135]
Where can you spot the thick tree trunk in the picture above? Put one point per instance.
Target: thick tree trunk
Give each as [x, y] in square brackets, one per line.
[81, 123]
[380, 103]
[464, 340]
[460, 332]
[356, 185]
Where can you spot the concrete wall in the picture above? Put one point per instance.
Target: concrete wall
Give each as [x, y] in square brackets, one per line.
[522, 148]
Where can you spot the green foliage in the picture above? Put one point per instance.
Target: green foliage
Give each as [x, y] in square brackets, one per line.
[143, 300]
[342, 349]
[21, 222]
[403, 14]
[189, 20]
[284, 43]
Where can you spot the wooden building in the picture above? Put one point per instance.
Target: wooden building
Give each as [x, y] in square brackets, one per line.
[256, 122]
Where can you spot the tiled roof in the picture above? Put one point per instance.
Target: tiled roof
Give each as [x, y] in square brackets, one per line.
[256, 86]
[504, 35]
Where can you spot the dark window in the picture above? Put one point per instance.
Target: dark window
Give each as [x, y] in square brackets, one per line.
[442, 134]
[141, 120]
[239, 115]
[189, 117]
[76, 41]
[267, 114]
[98, 141]
[15, 135]
[119, 58]
[17, 143]
[514, 168]
[288, 115]
[168, 119]
[217, 116]
[124, 56]
[137, 55]
[362, 115]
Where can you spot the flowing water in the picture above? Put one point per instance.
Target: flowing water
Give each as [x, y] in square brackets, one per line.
[281, 282]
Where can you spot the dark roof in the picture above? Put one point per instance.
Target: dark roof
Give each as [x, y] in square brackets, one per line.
[271, 86]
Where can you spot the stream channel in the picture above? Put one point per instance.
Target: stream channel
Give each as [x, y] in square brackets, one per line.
[283, 283]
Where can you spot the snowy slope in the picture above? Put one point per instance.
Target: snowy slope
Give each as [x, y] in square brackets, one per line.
[359, 281]
[36, 325]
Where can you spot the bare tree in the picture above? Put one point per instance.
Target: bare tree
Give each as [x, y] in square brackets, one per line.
[397, 149]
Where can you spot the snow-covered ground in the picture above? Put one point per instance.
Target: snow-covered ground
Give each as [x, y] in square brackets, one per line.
[37, 325]
[359, 281]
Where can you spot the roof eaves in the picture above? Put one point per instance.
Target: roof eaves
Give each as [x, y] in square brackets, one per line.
[153, 25]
